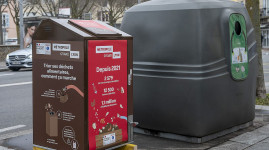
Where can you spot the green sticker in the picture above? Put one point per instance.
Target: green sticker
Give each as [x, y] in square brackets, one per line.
[239, 52]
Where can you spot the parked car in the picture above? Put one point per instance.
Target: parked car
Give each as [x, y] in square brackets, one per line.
[19, 59]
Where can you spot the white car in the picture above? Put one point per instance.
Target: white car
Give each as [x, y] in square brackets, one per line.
[19, 59]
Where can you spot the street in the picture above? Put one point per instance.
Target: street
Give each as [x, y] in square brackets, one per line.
[16, 101]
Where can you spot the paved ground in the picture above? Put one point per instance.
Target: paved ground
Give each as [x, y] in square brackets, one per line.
[254, 137]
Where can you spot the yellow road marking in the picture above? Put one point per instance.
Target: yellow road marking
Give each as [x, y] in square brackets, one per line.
[128, 147]
[35, 148]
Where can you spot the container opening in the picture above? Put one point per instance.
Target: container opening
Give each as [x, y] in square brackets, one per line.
[237, 28]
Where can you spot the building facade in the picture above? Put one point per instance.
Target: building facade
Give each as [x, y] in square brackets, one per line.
[265, 23]
[8, 26]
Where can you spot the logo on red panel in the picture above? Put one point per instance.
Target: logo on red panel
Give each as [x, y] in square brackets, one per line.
[108, 52]
[104, 49]
[116, 55]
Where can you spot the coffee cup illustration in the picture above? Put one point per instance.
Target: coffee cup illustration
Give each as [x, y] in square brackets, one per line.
[62, 94]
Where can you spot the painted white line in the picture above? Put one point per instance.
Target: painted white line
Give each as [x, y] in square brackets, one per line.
[1, 75]
[5, 148]
[12, 128]
[14, 84]
[15, 134]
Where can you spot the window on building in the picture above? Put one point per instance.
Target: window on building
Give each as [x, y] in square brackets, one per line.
[103, 16]
[3, 2]
[5, 20]
[265, 38]
[266, 6]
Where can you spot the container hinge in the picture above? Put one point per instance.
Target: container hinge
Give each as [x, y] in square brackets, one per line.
[130, 76]
[130, 121]
[134, 124]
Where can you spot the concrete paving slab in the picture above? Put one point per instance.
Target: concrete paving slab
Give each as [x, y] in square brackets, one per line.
[230, 145]
[258, 118]
[264, 130]
[263, 145]
[250, 138]
[156, 143]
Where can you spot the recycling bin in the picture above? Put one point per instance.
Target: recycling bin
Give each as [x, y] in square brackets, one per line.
[195, 68]
[82, 85]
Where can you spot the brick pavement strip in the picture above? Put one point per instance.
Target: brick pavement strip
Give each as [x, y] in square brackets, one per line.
[263, 145]
[250, 138]
[230, 145]
[264, 130]
[257, 139]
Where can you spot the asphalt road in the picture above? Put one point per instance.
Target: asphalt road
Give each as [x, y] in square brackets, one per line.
[15, 101]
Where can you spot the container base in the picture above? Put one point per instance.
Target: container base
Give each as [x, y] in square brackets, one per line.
[192, 139]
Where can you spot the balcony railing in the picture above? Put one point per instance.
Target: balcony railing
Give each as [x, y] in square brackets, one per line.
[264, 12]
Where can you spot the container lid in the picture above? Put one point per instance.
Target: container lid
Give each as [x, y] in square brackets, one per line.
[94, 28]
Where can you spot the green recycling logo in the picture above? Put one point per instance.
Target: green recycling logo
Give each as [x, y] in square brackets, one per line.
[239, 51]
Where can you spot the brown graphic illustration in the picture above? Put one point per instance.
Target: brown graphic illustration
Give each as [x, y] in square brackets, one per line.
[51, 121]
[62, 94]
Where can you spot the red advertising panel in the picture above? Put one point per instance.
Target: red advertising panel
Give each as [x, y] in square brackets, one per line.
[107, 92]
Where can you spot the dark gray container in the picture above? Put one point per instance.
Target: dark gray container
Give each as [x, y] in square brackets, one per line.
[182, 67]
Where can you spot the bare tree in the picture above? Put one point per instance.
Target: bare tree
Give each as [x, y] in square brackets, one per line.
[254, 12]
[47, 7]
[51, 7]
[14, 10]
[78, 7]
[116, 8]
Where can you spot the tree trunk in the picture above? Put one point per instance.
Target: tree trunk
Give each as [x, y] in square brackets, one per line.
[254, 12]
[18, 32]
[1, 29]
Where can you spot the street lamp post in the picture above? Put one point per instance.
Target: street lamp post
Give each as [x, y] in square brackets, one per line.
[1, 29]
[21, 24]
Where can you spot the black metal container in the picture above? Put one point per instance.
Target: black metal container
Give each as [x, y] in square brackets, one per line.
[186, 60]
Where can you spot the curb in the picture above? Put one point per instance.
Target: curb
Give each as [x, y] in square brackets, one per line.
[3, 69]
[261, 113]
[5, 148]
[261, 107]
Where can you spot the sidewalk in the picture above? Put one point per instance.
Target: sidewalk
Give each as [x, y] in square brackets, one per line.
[255, 137]
[3, 67]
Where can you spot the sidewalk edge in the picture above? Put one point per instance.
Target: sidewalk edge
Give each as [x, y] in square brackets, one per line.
[261, 107]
